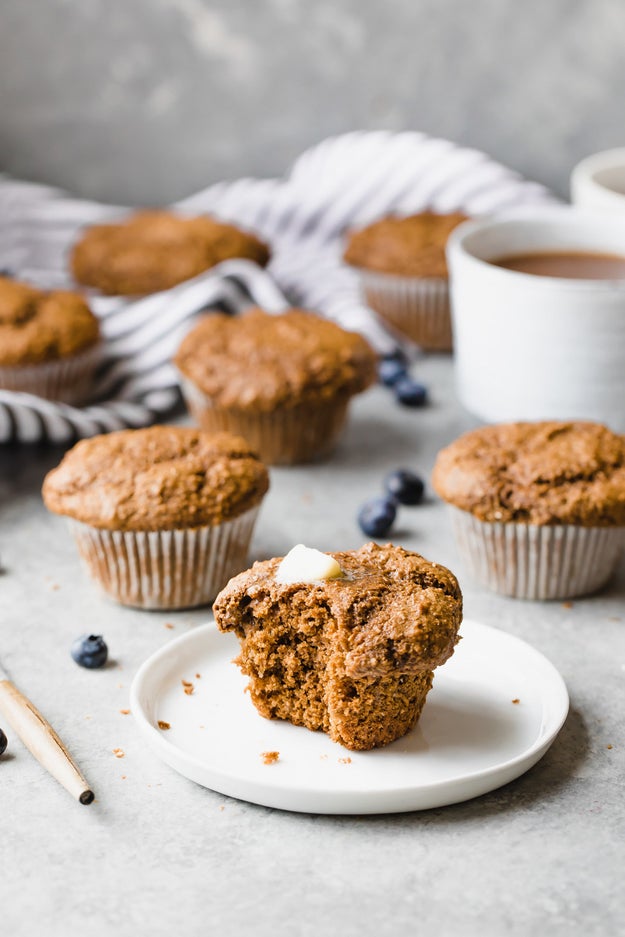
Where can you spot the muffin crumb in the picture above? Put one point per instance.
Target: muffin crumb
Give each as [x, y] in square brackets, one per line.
[270, 758]
[163, 725]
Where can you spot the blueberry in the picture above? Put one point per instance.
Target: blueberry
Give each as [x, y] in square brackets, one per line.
[376, 516]
[405, 486]
[3, 742]
[410, 393]
[390, 370]
[90, 650]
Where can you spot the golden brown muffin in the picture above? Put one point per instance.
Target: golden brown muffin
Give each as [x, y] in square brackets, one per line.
[49, 342]
[538, 509]
[537, 473]
[282, 381]
[412, 247]
[403, 275]
[155, 250]
[163, 516]
[351, 656]
[41, 325]
[160, 478]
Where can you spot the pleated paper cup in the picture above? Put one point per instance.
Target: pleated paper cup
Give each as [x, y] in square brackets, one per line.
[417, 307]
[284, 436]
[166, 569]
[67, 380]
[531, 561]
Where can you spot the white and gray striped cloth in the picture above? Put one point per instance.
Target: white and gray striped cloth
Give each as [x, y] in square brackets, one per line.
[344, 182]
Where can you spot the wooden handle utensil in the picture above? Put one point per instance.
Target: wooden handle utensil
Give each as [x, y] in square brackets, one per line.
[42, 741]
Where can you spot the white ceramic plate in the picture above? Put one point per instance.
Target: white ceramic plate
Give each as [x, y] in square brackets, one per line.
[470, 739]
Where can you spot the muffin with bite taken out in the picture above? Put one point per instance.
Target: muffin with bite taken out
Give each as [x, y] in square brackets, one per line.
[346, 642]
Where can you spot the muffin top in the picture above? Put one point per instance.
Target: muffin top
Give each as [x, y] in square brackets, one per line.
[410, 247]
[160, 478]
[393, 611]
[536, 473]
[38, 326]
[257, 361]
[155, 250]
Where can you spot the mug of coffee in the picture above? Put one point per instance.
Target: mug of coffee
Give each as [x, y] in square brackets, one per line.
[598, 182]
[538, 309]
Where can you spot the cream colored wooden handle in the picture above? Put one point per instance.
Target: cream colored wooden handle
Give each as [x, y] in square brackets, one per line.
[42, 741]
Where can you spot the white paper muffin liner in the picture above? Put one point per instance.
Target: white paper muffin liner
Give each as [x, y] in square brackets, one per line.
[418, 307]
[166, 569]
[284, 436]
[530, 561]
[67, 380]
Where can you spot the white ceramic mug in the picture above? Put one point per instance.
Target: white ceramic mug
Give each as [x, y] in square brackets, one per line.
[531, 347]
[598, 182]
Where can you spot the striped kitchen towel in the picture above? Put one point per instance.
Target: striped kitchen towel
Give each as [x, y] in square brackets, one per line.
[344, 182]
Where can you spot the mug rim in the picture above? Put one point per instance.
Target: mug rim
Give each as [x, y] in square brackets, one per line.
[586, 171]
[457, 246]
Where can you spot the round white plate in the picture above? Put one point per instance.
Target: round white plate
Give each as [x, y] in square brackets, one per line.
[471, 737]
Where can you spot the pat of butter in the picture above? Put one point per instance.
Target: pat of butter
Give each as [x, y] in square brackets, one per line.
[305, 564]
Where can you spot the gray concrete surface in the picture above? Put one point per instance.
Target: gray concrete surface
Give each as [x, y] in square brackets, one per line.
[144, 101]
[158, 855]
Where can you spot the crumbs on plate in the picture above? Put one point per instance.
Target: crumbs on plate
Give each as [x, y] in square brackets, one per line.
[270, 758]
[119, 752]
[188, 687]
[516, 701]
[163, 725]
[125, 712]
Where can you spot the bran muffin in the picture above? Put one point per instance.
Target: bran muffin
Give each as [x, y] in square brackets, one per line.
[351, 656]
[283, 382]
[403, 273]
[49, 342]
[162, 516]
[538, 508]
[155, 250]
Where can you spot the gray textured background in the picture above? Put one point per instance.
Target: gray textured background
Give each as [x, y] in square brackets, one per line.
[148, 100]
